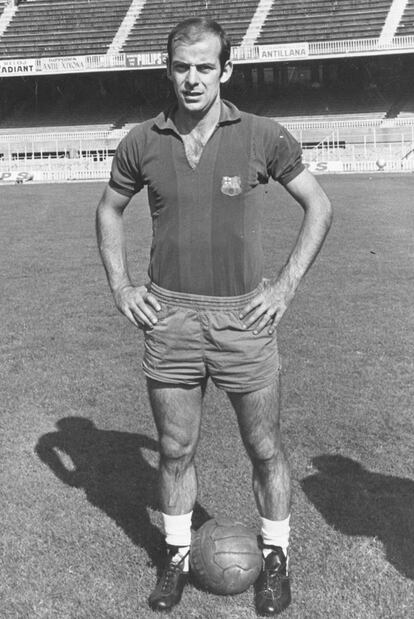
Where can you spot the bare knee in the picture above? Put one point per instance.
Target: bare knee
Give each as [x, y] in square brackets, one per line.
[266, 453]
[176, 452]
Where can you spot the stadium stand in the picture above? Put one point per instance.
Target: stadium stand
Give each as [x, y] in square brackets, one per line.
[151, 30]
[406, 25]
[323, 20]
[62, 28]
[343, 108]
[47, 28]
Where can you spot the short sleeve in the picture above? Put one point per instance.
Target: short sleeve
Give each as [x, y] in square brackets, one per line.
[283, 154]
[125, 176]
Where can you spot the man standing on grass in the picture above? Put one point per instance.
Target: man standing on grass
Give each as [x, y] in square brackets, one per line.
[207, 310]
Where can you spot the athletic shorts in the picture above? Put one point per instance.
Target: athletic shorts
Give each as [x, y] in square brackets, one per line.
[197, 337]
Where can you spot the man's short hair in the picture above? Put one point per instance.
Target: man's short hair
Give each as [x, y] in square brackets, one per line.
[193, 29]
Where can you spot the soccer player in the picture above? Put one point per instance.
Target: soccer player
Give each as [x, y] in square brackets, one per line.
[207, 310]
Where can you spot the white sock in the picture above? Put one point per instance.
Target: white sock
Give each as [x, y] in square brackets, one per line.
[177, 531]
[275, 533]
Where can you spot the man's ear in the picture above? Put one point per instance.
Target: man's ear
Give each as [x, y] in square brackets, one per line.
[168, 67]
[227, 71]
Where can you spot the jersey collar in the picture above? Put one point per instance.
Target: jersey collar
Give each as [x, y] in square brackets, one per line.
[228, 114]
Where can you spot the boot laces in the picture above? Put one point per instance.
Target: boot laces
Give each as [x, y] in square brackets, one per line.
[171, 570]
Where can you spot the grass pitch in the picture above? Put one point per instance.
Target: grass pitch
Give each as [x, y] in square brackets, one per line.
[80, 524]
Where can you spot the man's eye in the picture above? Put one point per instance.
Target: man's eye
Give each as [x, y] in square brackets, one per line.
[204, 69]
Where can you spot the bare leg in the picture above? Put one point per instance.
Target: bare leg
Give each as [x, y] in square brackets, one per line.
[258, 417]
[177, 415]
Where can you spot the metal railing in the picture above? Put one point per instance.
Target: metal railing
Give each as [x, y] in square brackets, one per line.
[357, 46]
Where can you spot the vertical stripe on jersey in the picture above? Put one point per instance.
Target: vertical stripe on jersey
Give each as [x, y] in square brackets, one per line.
[194, 215]
[165, 250]
[236, 219]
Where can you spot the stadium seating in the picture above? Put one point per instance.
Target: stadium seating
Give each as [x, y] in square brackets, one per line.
[155, 21]
[47, 28]
[323, 20]
[406, 25]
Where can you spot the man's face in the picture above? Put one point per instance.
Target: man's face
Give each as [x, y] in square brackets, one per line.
[195, 72]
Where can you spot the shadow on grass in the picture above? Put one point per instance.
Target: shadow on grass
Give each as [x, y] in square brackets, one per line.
[113, 472]
[359, 502]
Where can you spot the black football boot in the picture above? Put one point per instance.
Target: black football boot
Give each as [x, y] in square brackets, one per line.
[272, 588]
[169, 588]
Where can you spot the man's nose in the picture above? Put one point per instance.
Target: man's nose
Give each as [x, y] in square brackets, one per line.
[192, 76]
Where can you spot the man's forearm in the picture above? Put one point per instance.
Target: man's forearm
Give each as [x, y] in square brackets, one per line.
[134, 302]
[315, 226]
[112, 247]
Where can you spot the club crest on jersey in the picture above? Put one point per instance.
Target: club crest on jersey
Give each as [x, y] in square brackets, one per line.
[231, 185]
